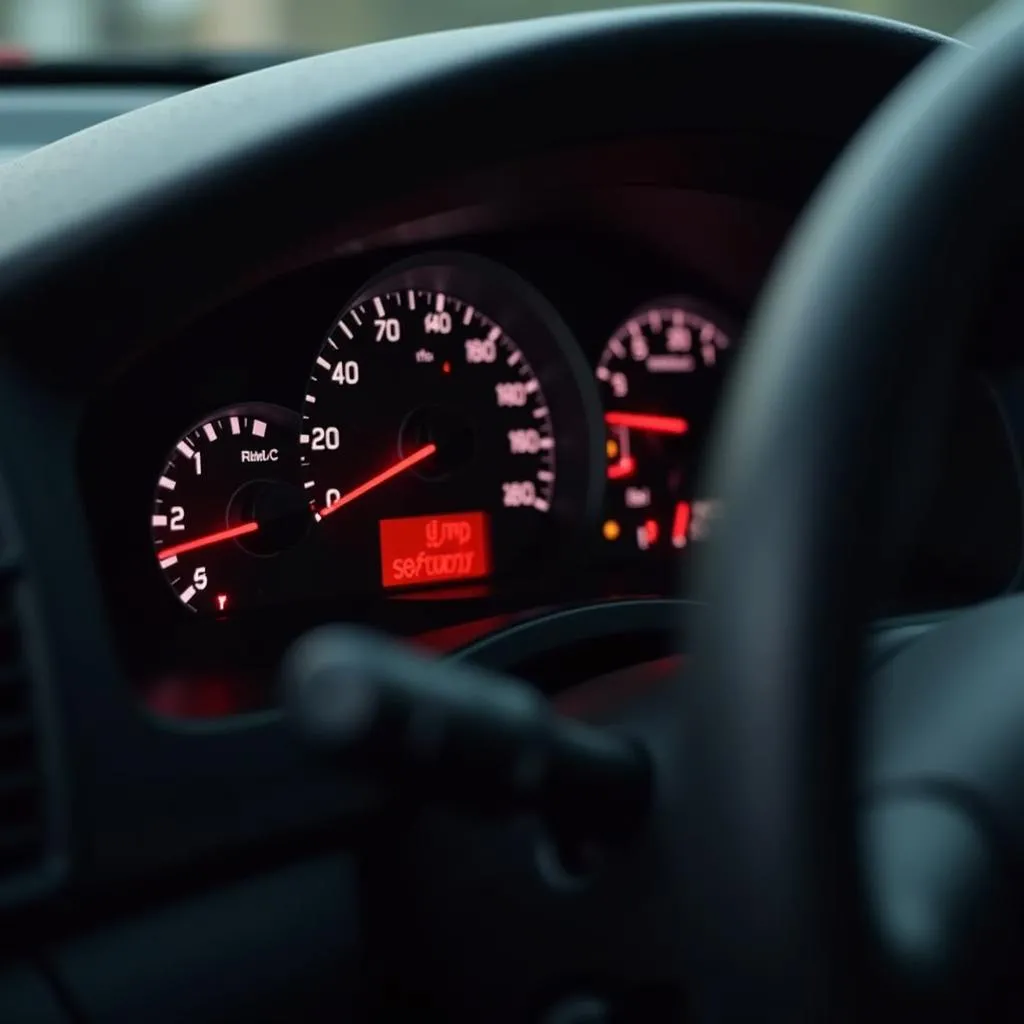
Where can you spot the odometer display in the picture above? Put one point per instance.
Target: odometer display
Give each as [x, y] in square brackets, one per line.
[422, 403]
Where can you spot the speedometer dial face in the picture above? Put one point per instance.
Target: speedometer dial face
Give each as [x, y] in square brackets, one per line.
[660, 376]
[429, 442]
[440, 369]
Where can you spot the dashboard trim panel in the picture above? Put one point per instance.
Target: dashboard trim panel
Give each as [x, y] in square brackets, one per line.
[156, 226]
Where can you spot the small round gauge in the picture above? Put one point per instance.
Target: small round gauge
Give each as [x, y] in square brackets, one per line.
[433, 423]
[660, 377]
[226, 502]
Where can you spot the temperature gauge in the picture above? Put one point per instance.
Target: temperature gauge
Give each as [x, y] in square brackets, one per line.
[660, 375]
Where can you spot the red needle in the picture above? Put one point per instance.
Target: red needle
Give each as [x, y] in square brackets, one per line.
[622, 469]
[644, 421]
[399, 467]
[210, 538]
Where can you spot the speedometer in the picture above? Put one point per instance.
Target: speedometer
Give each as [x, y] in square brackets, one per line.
[432, 427]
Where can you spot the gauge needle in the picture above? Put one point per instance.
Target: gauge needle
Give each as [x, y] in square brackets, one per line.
[622, 469]
[645, 421]
[206, 541]
[399, 467]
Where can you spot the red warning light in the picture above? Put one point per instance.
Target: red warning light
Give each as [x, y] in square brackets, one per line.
[651, 526]
[446, 367]
[222, 602]
[681, 524]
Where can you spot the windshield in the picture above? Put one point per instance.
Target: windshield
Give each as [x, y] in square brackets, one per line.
[84, 29]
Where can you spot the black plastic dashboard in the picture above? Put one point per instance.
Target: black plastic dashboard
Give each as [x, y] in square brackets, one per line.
[609, 256]
[168, 282]
[596, 251]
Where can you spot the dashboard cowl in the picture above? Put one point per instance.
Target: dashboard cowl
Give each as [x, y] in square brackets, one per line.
[26, 819]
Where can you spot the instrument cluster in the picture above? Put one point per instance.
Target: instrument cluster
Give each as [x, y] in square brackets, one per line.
[415, 440]
[450, 434]
[444, 437]
[434, 442]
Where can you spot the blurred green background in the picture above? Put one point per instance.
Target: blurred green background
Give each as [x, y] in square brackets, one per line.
[76, 28]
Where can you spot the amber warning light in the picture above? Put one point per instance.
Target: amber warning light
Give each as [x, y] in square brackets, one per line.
[434, 549]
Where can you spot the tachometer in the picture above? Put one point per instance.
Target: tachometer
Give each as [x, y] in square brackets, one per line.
[226, 502]
[660, 376]
[432, 427]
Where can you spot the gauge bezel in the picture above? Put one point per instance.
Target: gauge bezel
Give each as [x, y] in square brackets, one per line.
[547, 343]
[715, 314]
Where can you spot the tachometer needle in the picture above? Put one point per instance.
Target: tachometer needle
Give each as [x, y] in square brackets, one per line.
[210, 538]
[645, 421]
[399, 467]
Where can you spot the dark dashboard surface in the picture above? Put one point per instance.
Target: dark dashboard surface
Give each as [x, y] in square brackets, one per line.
[159, 290]
[595, 257]
[605, 264]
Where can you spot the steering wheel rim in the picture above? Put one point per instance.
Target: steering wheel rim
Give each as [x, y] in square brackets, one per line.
[857, 333]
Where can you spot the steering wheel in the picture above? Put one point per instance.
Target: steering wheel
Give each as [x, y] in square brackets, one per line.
[852, 841]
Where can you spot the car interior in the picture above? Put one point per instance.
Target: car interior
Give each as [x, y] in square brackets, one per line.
[521, 523]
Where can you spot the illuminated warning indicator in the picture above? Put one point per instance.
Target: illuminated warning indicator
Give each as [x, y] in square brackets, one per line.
[681, 524]
[222, 602]
[611, 530]
[647, 535]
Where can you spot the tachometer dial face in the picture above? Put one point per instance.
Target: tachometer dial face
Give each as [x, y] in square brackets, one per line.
[430, 439]
[226, 504]
[660, 377]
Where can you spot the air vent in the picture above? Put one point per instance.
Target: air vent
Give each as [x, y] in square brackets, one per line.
[22, 805]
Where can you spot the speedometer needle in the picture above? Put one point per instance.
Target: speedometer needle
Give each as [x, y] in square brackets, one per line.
[207, 540]
[399, 467]
[644, 421]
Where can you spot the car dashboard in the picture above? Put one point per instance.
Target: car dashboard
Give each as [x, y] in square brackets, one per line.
[492, 408]
[429, 337]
